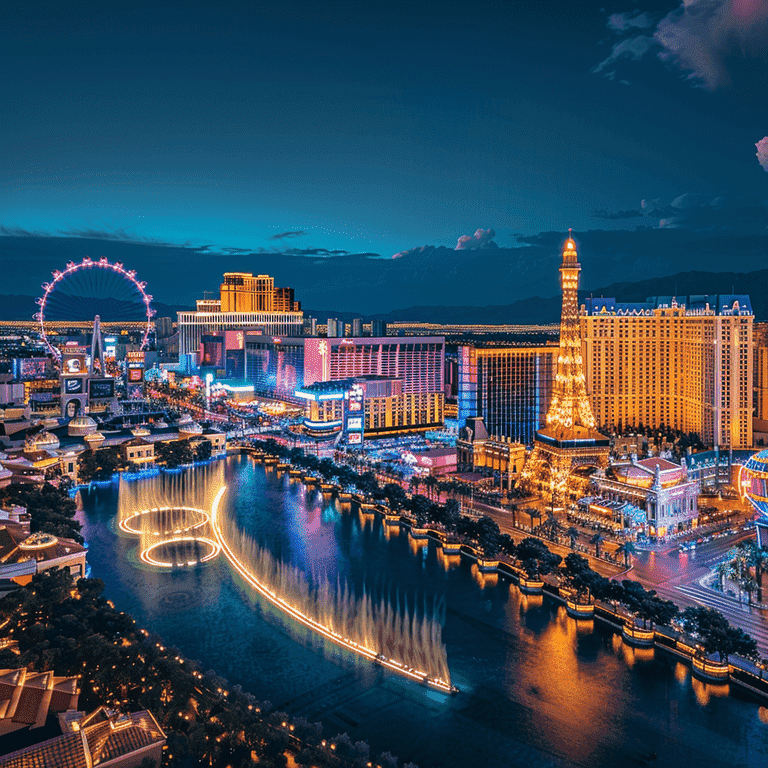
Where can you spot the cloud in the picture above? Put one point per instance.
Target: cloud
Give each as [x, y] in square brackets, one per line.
[483, 238]
[616, 215]
[762, 153]
[700, 37]
[702, 213]
[288, 235]
[304, 251]
[633, 48]
[622, 22]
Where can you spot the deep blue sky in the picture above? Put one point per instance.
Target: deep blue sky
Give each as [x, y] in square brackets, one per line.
[378, 127]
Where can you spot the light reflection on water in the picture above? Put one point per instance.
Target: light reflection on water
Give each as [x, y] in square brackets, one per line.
[537, 687]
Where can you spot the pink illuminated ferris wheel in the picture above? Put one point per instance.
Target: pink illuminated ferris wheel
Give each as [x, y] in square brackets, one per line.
[83, 290]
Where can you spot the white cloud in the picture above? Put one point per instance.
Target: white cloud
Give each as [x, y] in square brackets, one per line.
[762, 153]
[698, 37]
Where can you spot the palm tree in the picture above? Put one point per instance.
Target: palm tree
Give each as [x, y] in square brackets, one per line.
[573, 534]
[551, 524]
[627, 549]
[749, 585]
[415, 483]
[430, 482]
[723, 571]
[597, 540]
[532, 512]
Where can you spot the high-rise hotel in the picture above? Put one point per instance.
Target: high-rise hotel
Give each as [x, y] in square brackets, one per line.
[246, 302]
[684, 362]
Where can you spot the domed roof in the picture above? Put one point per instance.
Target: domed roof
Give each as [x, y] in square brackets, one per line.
[754, 481]
[82, 421]
[191, 428]
[94, 437]
[81, 425]
[43, 441]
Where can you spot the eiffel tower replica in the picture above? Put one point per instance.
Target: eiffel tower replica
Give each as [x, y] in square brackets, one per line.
[570, 438]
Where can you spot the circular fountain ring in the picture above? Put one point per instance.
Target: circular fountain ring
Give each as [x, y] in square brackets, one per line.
[147, 555]
[199, 518]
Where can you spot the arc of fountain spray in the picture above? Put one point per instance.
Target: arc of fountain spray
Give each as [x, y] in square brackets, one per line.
[382, 633]
[171, 509]
[170, 512]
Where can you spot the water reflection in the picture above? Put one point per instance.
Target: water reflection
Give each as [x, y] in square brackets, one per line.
[535, 688]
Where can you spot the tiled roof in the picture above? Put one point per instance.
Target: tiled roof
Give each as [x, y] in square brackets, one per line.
[67, 751]
[105, 737]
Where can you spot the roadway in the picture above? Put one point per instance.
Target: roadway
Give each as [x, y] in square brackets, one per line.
[675, 576]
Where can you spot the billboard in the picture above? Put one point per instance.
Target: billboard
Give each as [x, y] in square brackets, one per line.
[101, 388]
[73, 365]
[354, 420]
[74, 386]
[135, 375]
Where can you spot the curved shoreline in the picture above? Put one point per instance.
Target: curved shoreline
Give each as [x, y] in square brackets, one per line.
[727, 672]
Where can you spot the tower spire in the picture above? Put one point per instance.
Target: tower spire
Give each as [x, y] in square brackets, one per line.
[570, 407]
[569, 437]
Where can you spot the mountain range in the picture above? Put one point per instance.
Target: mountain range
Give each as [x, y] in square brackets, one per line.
[537, 310]
[534, 311]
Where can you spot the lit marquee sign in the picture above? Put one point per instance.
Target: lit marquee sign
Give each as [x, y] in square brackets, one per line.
[354, 418]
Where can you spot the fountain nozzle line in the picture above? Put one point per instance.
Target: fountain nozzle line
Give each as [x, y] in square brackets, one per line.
[283, 605]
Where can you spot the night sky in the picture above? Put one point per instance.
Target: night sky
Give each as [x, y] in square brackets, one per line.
[293, 137]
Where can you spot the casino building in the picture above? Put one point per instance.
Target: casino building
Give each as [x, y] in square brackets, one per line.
[660, 490]
[685, 362]
[246, 302]
[386, 408]
[279, 366]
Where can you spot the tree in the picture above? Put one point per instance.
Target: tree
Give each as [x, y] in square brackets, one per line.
[451, 514]
[100, 464]
[717, 634]
[50, 509]
[627, 549]
[532, 512]
[430, 483]
[203, 450]
[395, 496]
[173, 453]
[488, 536]
[573, 534]
[597, 540]
[551, 525]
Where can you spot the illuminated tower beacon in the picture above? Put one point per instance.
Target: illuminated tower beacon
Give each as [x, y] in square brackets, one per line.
[569, 440]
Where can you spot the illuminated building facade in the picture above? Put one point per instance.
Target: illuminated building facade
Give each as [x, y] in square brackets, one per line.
[659, 488]
[477, 451]
[193, 325]
[509, 387]
[244, 292]
[569, 437]
[760, 369]
[279, 366]
[246, 302]
[683, 362]
[388, 409]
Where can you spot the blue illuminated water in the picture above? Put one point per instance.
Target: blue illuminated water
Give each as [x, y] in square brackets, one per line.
[537, 689]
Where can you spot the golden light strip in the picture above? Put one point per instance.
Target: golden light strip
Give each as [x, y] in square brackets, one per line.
[294, 613]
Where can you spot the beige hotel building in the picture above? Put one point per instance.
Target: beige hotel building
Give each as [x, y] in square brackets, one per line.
[685, 362]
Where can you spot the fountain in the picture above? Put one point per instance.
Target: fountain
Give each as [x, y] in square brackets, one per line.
[177, 520]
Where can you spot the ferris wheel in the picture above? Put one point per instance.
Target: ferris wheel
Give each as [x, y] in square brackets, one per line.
[83, 290]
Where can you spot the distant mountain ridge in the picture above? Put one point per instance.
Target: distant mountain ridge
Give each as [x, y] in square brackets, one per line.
[19, 307]
[530, 311]
[538, 311]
